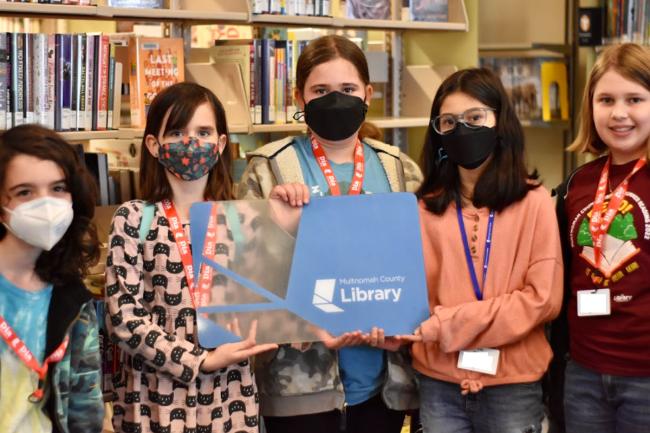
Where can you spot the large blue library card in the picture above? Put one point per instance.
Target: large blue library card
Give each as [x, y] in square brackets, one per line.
[338, 264]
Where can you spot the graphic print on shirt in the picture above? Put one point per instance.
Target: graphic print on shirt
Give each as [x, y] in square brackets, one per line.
[621, 242]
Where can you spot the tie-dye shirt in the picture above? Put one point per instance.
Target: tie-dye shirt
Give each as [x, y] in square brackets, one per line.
[26, 312]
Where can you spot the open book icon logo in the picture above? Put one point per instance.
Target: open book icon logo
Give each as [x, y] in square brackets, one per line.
[324, 294]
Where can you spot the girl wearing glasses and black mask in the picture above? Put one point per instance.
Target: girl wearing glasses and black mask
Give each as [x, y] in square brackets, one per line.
[303, 389]
[493, 265]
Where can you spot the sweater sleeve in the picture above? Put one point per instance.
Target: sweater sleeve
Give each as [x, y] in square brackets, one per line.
[412, 173]
[86, 404]
[507, 318]
[257, 180]
[128, 322]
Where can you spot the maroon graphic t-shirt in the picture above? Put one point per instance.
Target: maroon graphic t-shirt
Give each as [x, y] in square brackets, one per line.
[618, 344]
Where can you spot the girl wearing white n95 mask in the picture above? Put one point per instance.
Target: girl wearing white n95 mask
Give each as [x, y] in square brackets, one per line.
[49, 375]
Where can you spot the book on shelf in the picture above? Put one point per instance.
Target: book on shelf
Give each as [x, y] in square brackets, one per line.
[429, 10]
[368, 9]
[152, 4]
[293, 7]
[52, 80]
[626, 21]
[537, 87]
[155, 63]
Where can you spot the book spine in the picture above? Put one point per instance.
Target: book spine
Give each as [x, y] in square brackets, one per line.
[50, 101]
[264, 83]
[40, 70]
[20, 79]
[4, 75]
[111, 87]
[134, 82]
[102, 83]
[81, 89]
[96, 79]
[280, 82]
[66, 91]
[10, 79]
[74, 78]
[251, 83]
[90, 83]
[58, 83]
[270, 79]
[258, 81]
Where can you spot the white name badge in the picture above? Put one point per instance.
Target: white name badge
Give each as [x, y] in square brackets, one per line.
[479, 360]
[594, 302]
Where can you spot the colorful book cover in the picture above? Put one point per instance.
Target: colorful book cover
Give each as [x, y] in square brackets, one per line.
[429, 10]
[156, 63]
[368, 9]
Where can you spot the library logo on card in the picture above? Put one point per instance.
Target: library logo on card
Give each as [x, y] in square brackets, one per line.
[324, 294]
[355, 291]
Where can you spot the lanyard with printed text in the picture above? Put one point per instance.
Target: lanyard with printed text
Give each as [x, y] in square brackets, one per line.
[27, 357]
[468, 255]
[200, 297]
[600, 221]
[323, 163]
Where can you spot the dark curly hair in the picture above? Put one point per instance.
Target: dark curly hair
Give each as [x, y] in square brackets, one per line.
[69, 260]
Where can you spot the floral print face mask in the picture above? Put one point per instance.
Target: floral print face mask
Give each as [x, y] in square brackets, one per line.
[190, 158]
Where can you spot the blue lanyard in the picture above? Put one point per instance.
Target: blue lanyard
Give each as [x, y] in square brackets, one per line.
[468, 256]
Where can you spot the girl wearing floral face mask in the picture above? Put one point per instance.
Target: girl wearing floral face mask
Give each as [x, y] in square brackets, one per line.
[166, 380]
[49, 375]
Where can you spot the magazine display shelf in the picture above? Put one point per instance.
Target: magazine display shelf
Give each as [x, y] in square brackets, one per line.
[185, 13]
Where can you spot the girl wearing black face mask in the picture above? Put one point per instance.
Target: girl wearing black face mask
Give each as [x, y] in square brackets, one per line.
[493, 260]
[333, 90]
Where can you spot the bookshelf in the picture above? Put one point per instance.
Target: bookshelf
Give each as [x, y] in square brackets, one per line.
[514, 29]
[182, 14]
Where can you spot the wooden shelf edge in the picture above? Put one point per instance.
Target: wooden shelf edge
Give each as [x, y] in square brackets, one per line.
[123, 133]
[560, 124]
[380, 122]
[400, 25]
[171, 14]
[46, 9]
[292, 20]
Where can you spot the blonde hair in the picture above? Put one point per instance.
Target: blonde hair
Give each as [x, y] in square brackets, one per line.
[632, 61]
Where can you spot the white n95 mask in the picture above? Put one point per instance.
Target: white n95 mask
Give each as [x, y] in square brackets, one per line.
[41, 222]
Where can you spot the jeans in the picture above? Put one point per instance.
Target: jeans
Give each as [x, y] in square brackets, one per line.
[515, 408]
[371, 416]
[601, 403]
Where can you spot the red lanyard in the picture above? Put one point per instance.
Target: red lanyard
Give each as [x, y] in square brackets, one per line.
[600, 221]
[202, 296]
[16, 344]
[323, 163]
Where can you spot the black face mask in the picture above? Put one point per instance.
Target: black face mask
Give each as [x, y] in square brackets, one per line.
[469, 147]
[335, 116]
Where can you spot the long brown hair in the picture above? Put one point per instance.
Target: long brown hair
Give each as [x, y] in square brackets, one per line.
[330, 47]
[506, 179]
[182, 100]
[632, 61]
[71, 257]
